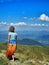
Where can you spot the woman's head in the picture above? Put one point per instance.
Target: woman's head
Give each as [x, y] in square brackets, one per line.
[11, 29]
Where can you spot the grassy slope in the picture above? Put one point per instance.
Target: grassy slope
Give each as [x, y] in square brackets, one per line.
[25, 52]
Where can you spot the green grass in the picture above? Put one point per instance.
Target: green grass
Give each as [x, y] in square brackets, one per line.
[26, 52]
[3, 61]
[36, 52]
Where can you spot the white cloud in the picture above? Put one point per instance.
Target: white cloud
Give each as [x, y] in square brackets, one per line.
[18, 24]
[22, 24]
[32, 18]
[12, 24]
[3, 23]
[38, 25]
[25, 17]
[44, 17]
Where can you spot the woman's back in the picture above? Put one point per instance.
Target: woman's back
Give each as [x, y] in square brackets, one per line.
[12, 35]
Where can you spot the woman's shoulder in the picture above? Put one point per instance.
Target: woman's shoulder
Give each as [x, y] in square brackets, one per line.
[12, 33]
[15, 33]
[9, 33]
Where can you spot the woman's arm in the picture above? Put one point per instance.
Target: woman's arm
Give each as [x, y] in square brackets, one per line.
[8, 39]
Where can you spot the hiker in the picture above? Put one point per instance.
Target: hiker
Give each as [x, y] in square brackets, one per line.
[12, 43]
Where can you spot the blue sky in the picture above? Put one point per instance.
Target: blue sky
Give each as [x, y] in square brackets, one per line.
[24, 14]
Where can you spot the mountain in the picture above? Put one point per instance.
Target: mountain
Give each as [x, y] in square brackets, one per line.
[29, 42]
[28, 37]
[45, 37]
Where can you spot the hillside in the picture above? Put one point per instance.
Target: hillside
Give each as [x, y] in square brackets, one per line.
[29, 42]
[26, 55]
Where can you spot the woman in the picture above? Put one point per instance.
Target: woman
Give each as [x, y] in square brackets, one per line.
[12, 43]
